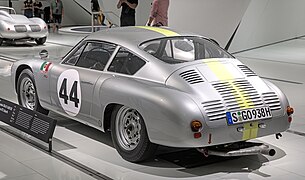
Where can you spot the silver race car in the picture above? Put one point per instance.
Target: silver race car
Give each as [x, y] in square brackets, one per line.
[156, 86]
[16, 27]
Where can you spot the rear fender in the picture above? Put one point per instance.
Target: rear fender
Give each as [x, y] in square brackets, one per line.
[167, 112]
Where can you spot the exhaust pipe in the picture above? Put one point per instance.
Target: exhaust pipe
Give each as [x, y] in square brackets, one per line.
[270, 152]
[262, 149]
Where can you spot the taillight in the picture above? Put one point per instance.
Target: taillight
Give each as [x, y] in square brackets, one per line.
[196, 125]
[290, 110]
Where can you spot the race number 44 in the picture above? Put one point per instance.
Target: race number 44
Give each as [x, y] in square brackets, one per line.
[72, 95]
[69, 92]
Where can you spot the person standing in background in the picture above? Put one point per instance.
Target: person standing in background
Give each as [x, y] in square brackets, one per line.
[37, 8]
[128, 12]
[158, 13]
[98, 18]
[28, 8]
[57, 13]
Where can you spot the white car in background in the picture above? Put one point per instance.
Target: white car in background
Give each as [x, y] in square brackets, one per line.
[16, 27]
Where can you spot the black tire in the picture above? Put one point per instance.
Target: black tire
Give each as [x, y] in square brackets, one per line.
[41, 41]
[139, 150]
[26, 91]
[1, 41]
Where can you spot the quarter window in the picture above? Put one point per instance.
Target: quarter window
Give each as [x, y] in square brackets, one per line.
[126, 62]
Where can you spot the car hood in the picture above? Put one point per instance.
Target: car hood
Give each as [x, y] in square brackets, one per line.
[221, 85]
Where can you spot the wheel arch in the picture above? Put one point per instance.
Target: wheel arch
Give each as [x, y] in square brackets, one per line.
[107, 115]
[18, 72]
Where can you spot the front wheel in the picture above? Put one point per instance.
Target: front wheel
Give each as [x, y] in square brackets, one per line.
[26, 90]
[129, 135]
[41, 41]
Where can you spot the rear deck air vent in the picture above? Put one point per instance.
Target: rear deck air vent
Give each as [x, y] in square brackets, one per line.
[272, 100]
[215, 110]
[191, 76]
[246, 70]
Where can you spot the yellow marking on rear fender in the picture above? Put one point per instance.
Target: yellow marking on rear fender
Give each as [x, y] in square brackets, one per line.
[165, 32]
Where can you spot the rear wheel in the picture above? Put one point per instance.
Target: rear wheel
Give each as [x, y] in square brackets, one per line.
[129, 135]
[26, 90]
[41, 41]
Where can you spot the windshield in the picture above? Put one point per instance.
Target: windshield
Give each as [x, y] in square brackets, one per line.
[183, 49]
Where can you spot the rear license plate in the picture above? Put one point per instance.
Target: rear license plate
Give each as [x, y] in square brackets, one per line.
[246, 115]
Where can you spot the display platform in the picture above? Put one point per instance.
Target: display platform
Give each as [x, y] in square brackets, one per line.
[76, 30]
[92, 149]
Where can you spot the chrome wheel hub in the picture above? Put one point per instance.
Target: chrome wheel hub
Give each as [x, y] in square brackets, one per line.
[128, 128]
[27, 93]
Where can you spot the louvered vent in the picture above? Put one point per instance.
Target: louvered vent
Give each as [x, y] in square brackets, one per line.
[247, 70]
[235, 92]
[272, 100]
[215, 110]
[191, 76]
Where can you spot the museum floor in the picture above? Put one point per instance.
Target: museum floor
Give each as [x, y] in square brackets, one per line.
[81, 152]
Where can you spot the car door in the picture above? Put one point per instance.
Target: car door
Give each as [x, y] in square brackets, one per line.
[76, 77]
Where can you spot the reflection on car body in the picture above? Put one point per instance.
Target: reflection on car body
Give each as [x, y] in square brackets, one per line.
[156, 86]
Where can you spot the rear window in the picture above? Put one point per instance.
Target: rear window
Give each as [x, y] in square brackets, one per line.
[183, 49]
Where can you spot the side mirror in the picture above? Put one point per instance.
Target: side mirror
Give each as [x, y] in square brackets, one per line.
[43, 54]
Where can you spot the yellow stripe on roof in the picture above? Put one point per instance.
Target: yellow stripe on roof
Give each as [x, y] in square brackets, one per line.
[165, 32]
[222, 73]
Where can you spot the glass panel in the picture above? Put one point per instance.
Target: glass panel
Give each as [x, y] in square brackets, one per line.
[126, 62]
[96, 55]
[184, 49]
[72, 59]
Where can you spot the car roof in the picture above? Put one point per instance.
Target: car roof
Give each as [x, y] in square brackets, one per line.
[135, 35]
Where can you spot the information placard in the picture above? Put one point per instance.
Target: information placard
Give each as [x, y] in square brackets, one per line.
[33, 123]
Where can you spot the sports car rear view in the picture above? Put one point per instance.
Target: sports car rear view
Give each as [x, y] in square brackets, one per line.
[157, 86]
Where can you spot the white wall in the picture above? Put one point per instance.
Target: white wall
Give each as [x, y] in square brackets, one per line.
[142, 10]
[269, 21]
[78, 15]
[216, 19]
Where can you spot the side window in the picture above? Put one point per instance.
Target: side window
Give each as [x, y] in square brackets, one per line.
[72, 59]
[126, 62]
[95, 55]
